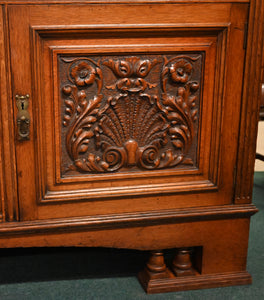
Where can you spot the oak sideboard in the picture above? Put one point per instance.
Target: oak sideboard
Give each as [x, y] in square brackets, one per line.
[132, 124]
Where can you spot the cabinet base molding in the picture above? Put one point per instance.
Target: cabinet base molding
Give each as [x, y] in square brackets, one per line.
[100, 222]
[174, 284]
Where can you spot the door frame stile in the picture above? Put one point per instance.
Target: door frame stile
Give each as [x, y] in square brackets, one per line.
[9, 177]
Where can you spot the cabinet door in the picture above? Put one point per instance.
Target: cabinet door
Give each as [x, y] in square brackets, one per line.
[133, 107]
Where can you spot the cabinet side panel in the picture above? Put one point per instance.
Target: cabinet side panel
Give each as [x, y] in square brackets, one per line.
[2, 196]
[8, 194]
[250, 104]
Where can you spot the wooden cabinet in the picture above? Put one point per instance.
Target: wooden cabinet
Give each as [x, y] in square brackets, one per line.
[132, 124]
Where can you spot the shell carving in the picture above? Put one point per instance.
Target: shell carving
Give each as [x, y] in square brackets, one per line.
[141, 115]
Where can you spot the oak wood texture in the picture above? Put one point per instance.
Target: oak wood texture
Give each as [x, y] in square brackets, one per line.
[221, 264]
[117, 1]
[250, 108]
[122, 123]
[129, 219]
[174, 284]
[141, 131]
[182, 264]
[8, 168]
[157, 277]
[38, 160]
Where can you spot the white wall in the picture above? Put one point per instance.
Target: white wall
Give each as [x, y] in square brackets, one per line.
[259, 165]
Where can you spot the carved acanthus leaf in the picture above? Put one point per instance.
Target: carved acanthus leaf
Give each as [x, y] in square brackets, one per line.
[132, 118]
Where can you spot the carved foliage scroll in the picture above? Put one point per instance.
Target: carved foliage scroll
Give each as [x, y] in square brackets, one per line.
[129, 112]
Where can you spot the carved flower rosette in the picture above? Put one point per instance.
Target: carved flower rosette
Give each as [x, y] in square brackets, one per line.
[129, 112]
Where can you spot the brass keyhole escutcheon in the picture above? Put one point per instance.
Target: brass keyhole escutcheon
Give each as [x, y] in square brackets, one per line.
[23, 117]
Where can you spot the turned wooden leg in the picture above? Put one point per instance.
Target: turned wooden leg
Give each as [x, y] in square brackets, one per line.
[182, 264]
[154, 271]
[156, 266]
[157, 278]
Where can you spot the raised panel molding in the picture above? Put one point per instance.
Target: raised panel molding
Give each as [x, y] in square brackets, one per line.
[176, 77]
[89, 88]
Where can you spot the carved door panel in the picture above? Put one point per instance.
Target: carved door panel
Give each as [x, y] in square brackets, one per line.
[132, 107]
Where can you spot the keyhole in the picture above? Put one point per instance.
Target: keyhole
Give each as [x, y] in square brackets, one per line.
[22, 105]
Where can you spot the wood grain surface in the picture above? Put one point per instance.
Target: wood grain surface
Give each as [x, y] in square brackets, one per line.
[143, 121]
